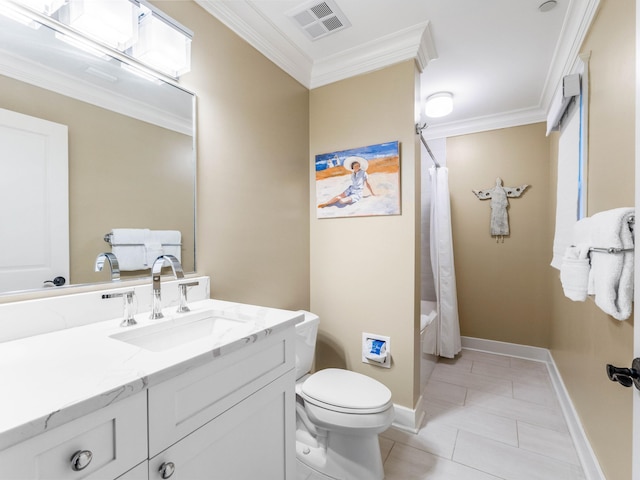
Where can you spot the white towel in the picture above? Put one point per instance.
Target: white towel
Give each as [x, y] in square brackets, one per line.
[127, 244]
[162, 242]
[171, 241]
[611, 275]
[574, 272]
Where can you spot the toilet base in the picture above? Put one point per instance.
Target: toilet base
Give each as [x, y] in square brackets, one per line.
[346, 457]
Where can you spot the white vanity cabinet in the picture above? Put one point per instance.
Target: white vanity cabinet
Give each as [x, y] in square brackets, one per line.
[232, 419]
[103, 444]
[198, 412]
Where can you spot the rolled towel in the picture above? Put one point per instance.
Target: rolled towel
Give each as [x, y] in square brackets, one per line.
[574, 273]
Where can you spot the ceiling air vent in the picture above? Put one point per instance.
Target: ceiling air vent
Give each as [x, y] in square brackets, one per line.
[319, 19]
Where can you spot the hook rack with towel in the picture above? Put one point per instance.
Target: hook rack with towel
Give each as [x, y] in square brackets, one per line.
[138, 248]
[109, 239]
[608, 278]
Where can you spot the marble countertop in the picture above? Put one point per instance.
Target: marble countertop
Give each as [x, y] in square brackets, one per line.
[50, 379]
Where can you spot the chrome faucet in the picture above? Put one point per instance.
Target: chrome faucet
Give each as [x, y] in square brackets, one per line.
[113, 264]
[161, 261]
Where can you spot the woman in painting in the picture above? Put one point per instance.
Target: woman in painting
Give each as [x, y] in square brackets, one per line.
[359, 179]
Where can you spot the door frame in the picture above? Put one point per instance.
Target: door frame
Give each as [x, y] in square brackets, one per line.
[635, 459]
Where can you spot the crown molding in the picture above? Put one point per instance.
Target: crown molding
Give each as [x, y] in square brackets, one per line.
[413, 43]
[427, 48]
[265, 37]
[514, 118]
[244, 19]
[577, 22]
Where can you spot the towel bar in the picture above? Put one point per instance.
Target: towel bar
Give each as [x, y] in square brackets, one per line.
[610, 250]
[109, 236]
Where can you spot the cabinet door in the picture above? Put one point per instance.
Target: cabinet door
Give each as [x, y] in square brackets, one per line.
[254, 439]
[115, 436]
[179, 406]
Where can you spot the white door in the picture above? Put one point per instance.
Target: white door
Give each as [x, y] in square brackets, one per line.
[636, 316]
[34, 202]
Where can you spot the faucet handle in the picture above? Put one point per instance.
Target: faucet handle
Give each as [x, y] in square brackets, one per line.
[183, 308]
[128, 306]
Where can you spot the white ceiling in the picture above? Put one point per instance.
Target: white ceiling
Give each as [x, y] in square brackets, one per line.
[501, 59]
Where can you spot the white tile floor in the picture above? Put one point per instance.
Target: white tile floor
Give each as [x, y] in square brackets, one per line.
[488, 417]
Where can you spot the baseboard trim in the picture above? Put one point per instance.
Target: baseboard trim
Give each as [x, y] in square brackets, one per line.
[504, 348]
[409, 419]
[587, 456]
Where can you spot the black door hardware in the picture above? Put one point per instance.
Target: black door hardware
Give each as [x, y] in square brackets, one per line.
[58, 281]
[625, 376]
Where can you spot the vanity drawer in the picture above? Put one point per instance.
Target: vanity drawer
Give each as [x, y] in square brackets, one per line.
[115, 435]
[183, 404]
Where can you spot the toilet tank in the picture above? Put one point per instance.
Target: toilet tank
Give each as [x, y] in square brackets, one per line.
[306, 334]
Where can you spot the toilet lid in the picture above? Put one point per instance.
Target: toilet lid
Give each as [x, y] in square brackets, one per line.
[347, 390]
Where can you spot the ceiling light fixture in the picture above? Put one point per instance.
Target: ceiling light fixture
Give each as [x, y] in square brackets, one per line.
[438, 105]
[547, 6]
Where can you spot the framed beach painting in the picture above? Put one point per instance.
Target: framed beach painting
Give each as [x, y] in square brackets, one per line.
[359, 182]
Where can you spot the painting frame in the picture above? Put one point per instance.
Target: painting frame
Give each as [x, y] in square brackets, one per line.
[359, 182]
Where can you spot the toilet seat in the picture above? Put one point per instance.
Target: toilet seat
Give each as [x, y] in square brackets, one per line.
[346, 392]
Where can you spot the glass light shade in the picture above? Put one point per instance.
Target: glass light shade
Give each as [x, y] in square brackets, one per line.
[162, 47]
[114, 22]
[438, 105]
[48, 7]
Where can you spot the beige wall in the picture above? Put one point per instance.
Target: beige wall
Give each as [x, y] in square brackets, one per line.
[364, 270]
[508, 291]
[123, 173]
[502, 286]
[253, 164]
[583, 338]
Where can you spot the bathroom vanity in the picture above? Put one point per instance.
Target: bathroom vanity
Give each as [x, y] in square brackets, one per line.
[205, 394]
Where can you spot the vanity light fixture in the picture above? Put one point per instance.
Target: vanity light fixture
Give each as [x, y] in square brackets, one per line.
[162, 43]
[439, 104]
[48, 7]
[132, 31]
[113, 22]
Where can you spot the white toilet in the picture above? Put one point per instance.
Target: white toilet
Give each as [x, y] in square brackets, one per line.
[339, 414]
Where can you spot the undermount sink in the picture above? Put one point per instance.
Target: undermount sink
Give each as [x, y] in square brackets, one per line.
[189, 328]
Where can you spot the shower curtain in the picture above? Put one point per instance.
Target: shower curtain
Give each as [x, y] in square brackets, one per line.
[446, 323]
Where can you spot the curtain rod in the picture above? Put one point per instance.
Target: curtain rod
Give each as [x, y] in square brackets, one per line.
[419, 129]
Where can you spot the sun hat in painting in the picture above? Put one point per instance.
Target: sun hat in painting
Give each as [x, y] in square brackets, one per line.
[349, 161]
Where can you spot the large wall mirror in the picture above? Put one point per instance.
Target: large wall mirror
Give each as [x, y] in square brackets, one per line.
[131, 157]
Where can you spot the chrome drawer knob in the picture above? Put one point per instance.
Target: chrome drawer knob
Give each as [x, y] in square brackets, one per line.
[81, 460]
[167, 469]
